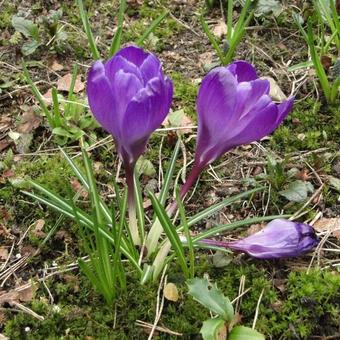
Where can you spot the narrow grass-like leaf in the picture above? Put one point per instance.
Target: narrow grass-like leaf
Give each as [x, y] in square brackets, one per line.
[85, 220]
[212, 39]
[88, 31]
[56, 109]
[230, 19]
[139, 207]
[38, 96]
[184, 223]
[171, 233]
[169, 174]
[218, 206]
[116, 41]
[152, 27]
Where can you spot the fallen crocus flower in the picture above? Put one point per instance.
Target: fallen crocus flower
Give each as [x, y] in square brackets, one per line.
[234, 108]
[280, 238]
[130, 98]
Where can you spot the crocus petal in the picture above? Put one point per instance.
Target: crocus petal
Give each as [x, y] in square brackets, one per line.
[284, 108]
[101, 99]
[133, 54]
[124, 86]
[215, 103]
[145, 113]
[256, 126]
[119, 63]
[279, 239]
[243, 71]
[130, 97]
[150, 68]
[251, 93]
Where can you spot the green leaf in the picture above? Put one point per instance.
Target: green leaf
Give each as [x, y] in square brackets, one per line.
[211, 327]
[170, 232]
[334, 182]
[26, 27]
[152, 27]
[211, 297]
[245, 333]
[297, 191]
[29, 47]
[145, 167]
[265, 7]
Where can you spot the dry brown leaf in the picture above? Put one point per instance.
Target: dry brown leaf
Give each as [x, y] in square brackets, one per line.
[29, 122]
[38, 229]
[8, 297]
[27, 294]
[3, 253]
[328, 224]
[64, 83]
[171, 292]
[56, 66]
[4, 143]
[48, 97]
[206, 58]
[275, 90]
[77, 187]
[220, 29]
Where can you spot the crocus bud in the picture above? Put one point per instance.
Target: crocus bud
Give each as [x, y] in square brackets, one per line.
[280, 238]
[130, 98]
[234, 108]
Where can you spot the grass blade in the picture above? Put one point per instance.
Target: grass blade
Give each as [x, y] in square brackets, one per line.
[152, 27]
[212, 39]
[38, 96]
[184, 223]
[216, 207]
[88, 31]
[171, 233]
[139, 207]
[116, 41]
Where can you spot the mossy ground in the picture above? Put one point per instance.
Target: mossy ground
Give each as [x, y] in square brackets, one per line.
[295, 303]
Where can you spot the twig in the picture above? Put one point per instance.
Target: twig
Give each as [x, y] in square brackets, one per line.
[257, 309]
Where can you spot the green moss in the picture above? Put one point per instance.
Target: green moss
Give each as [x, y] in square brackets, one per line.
[308, 127]
[185, 94]
[7, 10]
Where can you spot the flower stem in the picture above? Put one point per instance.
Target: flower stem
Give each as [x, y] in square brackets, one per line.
[133, 222]
[156, 228]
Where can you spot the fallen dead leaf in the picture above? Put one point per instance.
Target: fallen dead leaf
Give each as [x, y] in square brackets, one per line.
[178, 119]
[171, 292]
[3, 253]
[220, 29]
[77, 187]
[37, 231]
[29, 122]
[8, 297]
[275, 91]
[48, 97]
[206, 58]
[64, 83]
[254, 228]
[328, 225]
[56, 66]
[4, 143]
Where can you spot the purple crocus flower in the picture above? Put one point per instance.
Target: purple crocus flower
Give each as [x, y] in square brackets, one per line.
[280, 238]
[130, 98]
[234, 108]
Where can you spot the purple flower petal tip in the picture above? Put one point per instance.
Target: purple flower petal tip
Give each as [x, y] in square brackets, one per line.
[130, 97]
[279, 239]
[234, 108]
